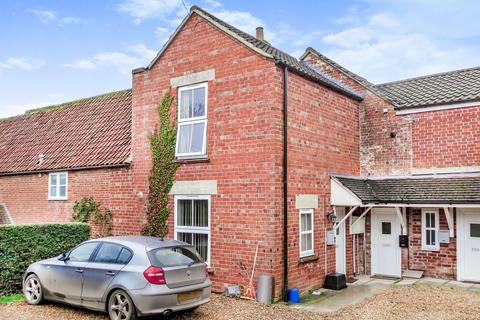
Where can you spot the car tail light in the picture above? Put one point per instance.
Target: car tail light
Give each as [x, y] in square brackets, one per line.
[154, 275]
[206, 271]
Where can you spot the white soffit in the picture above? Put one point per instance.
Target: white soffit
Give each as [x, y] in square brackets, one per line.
[439, 107]
[197, 187]
[341, 196]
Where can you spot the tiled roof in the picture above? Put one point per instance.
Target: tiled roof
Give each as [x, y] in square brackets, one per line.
[425, 190]
[91, 132]
[437, 89]
[266, 49]
[286, 59]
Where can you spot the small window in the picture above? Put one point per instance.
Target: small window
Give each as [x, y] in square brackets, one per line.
[108, 253]
[83, 252]
[173, 257]
[386, 228]
[474, 230]
[124, 256]
[306, 232]
[430, 229]
[192, 223]
[57, 186]
[192, 121]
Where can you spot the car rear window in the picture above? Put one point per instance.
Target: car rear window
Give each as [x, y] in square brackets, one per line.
[173, 257]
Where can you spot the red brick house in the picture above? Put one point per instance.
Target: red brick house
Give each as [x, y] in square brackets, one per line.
[272, 151]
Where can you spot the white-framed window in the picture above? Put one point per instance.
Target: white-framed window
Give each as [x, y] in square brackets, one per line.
[58, 186]
[430, 226]
[192, 223]
[192, 121]
[306, 232]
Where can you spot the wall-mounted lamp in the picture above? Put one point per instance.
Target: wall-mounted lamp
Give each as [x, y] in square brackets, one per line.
[140, 195]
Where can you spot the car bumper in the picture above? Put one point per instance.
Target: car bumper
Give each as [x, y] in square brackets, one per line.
[156, 299]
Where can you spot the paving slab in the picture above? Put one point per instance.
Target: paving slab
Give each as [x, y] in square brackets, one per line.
[475, 287]
[406, 282]
[333, 301]
[431, 282]
[457, 284]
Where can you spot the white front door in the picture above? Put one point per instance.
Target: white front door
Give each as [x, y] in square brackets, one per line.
[386, 252]
[340, 242]
[469, 245]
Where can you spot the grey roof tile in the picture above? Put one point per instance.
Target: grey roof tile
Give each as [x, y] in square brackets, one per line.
[424, 190]
[437, 89]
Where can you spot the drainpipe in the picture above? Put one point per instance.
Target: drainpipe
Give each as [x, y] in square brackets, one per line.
[285, 179]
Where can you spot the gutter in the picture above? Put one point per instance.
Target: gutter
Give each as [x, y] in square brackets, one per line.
[285, 179]
[107, 166]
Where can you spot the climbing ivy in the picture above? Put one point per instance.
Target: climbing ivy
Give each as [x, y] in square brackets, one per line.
[88, 210]
[162, 145]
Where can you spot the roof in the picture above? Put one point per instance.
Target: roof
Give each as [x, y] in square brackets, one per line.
[437, 89]
[91, 132]
[149, 243]
[264, 48]
[413, 190]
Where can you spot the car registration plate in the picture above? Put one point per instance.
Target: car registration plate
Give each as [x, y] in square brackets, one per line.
[190, 295]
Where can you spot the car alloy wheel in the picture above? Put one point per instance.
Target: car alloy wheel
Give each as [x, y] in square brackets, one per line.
[32, 290]
[120, 307]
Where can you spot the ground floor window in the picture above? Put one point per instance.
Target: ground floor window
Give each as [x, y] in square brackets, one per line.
[306, 232]
[192, 223]
[430, 229]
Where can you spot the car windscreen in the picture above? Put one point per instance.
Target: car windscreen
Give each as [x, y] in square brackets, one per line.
[173, 257]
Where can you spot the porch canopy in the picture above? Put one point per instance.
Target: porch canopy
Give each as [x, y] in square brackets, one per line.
[444, 191]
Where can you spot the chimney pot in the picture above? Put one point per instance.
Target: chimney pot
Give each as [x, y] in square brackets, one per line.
[259, 34]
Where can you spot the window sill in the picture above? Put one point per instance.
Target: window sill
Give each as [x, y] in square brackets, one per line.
[57, 199]
[192, 159]
[431, 249]
[307, 259]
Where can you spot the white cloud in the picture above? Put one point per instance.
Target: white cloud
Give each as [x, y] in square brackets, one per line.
[9, 109]
[20, 63]
[382, 47]
[48, 16]
[146, 9]
[123, 61]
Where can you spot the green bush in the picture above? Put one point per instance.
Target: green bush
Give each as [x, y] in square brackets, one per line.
[21, 245]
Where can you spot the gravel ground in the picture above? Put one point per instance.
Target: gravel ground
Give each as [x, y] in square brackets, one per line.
[399, 302]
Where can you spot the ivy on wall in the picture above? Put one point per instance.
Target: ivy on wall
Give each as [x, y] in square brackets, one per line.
[88, 210]
[162, 145]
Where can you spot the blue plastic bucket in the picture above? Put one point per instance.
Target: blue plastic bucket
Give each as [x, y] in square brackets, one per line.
[293, 295]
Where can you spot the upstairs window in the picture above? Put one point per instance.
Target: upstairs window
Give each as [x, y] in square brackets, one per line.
[430, 230]
[192, 121]
[57, 186]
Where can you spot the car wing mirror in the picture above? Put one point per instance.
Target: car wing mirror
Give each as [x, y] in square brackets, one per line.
[63, 257]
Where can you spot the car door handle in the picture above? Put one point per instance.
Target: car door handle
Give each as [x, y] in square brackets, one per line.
[79, 270]
[110, 273]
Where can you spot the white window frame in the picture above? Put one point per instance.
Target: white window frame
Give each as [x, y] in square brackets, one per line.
[191, 229]
[57, 197]
[192, 121]
[311, 252]
[435, 247]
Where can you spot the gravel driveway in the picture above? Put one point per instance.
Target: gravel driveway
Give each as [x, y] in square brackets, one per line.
[398, 302]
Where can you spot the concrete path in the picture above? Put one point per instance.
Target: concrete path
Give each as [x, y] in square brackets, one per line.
[365, 287]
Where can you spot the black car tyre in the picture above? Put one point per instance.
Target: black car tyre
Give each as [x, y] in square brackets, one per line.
[121, 307]
[32, 290]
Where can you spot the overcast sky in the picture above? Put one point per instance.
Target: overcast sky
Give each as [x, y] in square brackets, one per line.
[56, 51]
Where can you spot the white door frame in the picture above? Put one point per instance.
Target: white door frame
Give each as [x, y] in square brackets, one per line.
[373, 235]
[341, 229]
[460, 240]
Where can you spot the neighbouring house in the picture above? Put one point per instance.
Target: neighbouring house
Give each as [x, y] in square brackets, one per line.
[320, 168]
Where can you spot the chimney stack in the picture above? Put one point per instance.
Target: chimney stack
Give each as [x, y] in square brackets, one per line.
[259, 34]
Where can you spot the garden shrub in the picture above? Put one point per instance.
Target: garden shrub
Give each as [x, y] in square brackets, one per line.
[21, 245]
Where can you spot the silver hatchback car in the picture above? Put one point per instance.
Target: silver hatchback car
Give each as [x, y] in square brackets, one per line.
[127, 277]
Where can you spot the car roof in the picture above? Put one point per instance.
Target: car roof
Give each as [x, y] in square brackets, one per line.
[149, 243]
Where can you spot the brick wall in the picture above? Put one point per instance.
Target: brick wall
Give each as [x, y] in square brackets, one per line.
[381, 154]
[244, 146]
[323, 139]
[25, 197]
[448, 138]
[439, 264]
